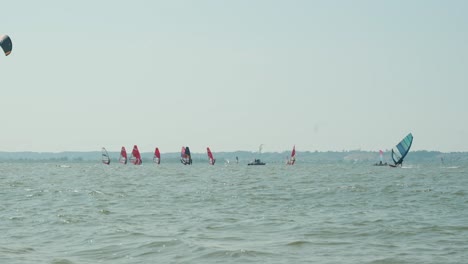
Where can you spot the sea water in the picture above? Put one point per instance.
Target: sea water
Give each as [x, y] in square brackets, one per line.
[233, 213]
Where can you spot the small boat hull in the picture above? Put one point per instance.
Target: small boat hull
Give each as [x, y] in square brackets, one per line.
[256, 162]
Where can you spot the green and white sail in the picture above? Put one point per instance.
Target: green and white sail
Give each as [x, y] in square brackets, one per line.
[400, 151]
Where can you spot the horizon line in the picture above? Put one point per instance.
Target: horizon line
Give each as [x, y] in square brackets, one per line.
[311, 151]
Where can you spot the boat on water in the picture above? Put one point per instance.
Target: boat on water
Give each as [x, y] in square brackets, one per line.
[185, 157]
[105, 156]
[123, 155]
[211, 159]
[400, 151]
[256, 162]
[381, 163]
[135, 158]
[292, 158]
[157, 156]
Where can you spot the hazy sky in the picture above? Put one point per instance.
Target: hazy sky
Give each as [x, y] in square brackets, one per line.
[323, 75]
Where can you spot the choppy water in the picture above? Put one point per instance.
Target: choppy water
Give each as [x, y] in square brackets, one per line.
[307, 213]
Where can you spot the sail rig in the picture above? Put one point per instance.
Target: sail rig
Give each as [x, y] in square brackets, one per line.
[123, 156]
[211, 159]
[292, 158]
[185, 157]
[136, 157]
[400, 151]
[157, 156]
[105, 156]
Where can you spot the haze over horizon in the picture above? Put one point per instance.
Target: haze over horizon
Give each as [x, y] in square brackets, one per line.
[231, 75]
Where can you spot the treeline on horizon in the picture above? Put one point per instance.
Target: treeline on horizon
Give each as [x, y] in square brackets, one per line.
[244, 156]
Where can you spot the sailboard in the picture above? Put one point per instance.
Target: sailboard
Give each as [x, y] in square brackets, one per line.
[400, 151]
[135, 158]
[105, 156]
[292, 158]
[185, 157]
[211, 159]
[123, 156]
[157, 156]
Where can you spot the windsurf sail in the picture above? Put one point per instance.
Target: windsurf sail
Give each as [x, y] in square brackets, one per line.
[182, 154]
[136, 157]
[157, 156]
[105, 156]
[400, 151]
[211, 159]
[260, 148]
[5, 43]
[381, 156]
[123, 156]
[185, 157]
[292, 158]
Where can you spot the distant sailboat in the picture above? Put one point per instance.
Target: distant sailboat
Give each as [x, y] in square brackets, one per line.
[381, 160]
[157, 156]
[211, 159]
[136, 157]
[400, 151]
[257, 161]
[105, 156]
[292, 158]
[185, 157]
[123, 156]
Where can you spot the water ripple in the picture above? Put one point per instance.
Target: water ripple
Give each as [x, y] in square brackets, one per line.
[310, 213]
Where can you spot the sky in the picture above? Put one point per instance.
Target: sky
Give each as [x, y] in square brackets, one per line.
[322, 75]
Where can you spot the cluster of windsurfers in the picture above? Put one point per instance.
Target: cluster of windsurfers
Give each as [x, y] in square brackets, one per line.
[135, 157]
[185, 157]
[398, 154]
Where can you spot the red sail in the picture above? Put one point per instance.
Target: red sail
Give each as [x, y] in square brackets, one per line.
[182, 152]
[211, 159]
[123, 156]
[157, 156]
[292, 159]
[136, 157]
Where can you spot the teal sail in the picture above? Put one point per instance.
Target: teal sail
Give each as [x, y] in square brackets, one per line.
[399, 151]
